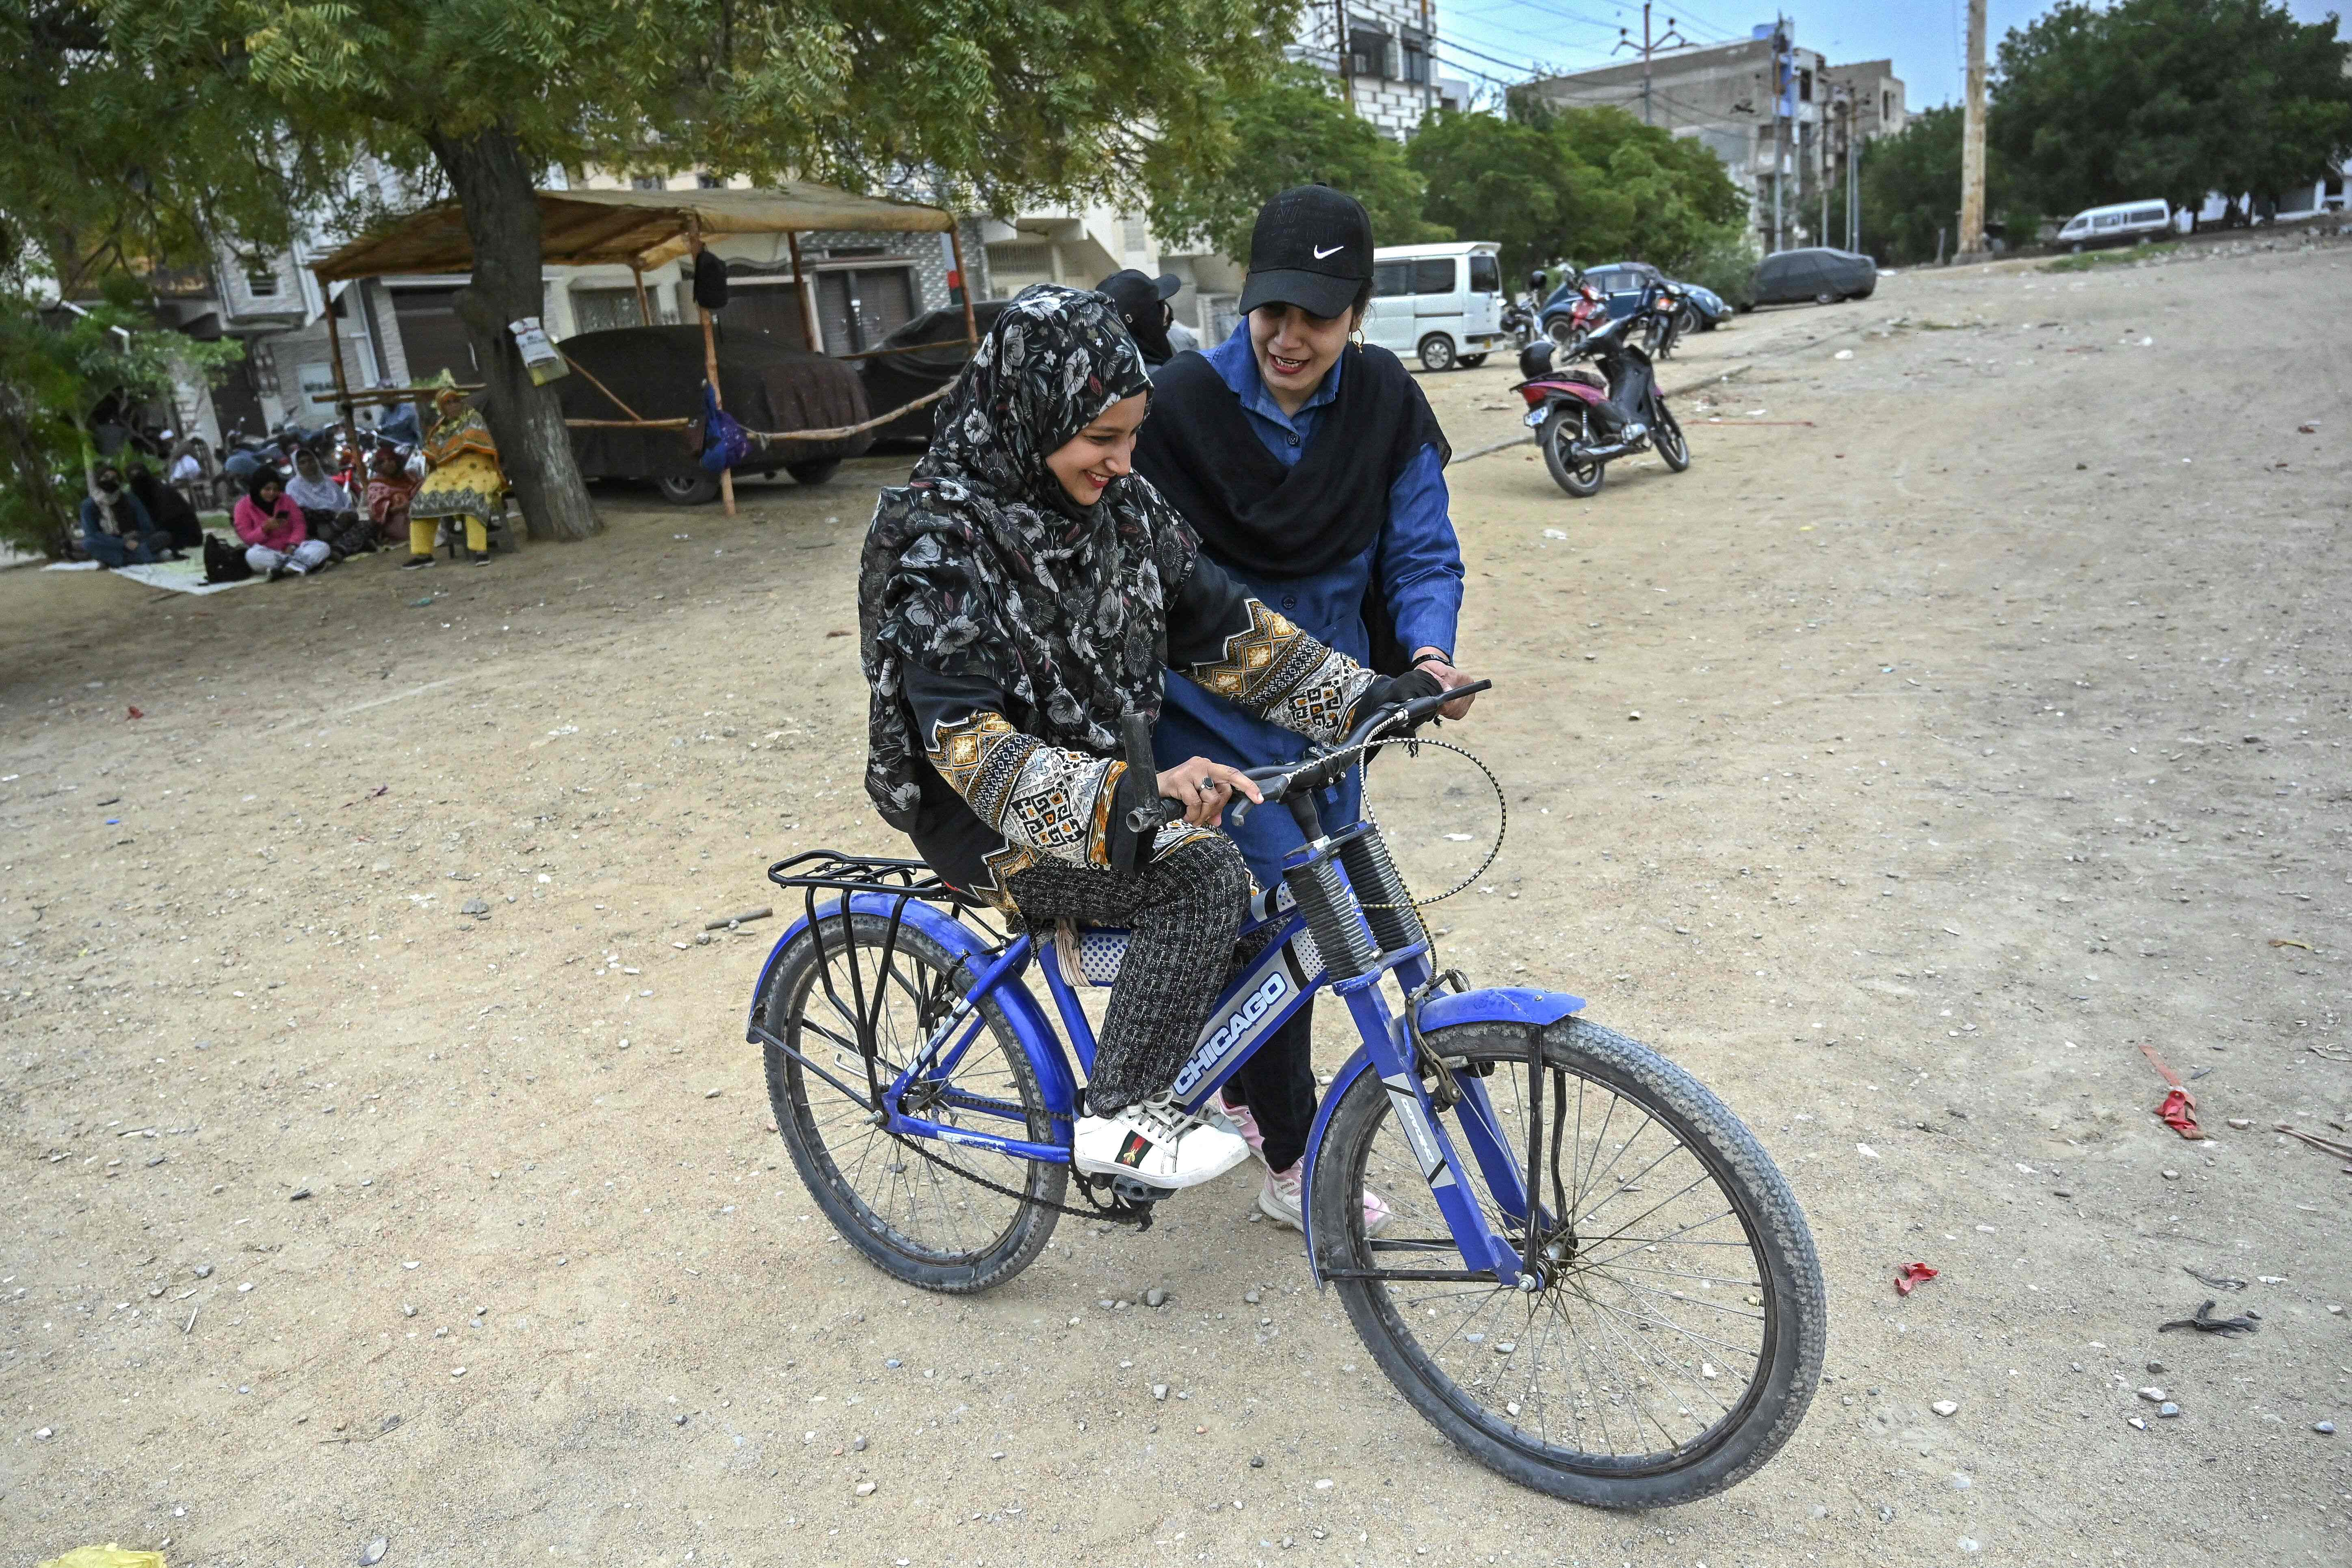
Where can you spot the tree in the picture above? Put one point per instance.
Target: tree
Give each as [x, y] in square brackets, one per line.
[87, 185]
[1499, 179]
[2169, 98]
[1911, 189]
[1290, 129]
[59, 368]
[1595, 184]
[987, 98]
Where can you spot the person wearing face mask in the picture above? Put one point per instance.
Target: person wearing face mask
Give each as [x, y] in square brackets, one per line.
[327, 511]
[1142, 303]
[1313, 470]
[1016, 597]
[116, 530]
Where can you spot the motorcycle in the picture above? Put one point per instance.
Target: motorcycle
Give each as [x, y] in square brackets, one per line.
[1588, 416]
[1587, 311]
[1666, 316]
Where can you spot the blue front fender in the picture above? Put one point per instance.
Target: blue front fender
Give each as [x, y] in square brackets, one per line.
[1038, 1041]
[1497, 1005]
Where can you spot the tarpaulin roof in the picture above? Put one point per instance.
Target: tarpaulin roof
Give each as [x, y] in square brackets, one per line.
[643, 229]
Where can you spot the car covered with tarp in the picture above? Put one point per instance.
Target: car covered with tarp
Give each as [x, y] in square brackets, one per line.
[920, 357]
[657, 374]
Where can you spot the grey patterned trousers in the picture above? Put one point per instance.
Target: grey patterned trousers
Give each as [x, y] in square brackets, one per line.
[1183, 911]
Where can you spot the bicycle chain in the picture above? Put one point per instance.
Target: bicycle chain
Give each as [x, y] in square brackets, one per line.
[1116, 1212]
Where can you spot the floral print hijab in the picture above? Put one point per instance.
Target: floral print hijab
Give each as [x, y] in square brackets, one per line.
[981, 567]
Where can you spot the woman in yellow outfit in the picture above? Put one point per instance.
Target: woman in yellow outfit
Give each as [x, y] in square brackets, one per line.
[465, 481]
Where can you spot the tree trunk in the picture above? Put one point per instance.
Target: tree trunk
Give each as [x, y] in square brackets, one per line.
[492, 176]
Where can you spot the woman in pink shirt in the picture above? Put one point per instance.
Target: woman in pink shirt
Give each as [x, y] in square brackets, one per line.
[275, 538]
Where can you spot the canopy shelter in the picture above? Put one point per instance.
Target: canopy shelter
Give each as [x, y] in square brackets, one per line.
[638, 229]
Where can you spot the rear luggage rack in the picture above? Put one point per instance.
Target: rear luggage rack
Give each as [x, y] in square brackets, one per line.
[867, 874]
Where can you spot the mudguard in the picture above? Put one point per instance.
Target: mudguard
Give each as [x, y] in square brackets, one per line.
[1496, 1005]
[1038, 1041]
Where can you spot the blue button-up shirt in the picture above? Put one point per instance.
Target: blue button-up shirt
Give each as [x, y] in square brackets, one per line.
[1419, 563]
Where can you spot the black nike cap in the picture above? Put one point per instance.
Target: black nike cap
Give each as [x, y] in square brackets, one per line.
[1312, 248]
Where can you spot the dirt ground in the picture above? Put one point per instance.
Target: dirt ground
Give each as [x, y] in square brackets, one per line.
[1970, 715]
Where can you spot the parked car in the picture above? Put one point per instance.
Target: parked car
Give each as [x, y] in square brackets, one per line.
[659, 372]
[1625, 284]
[1707, 307]
[895, 380]
[1817, 273]
[2123, 223]
[1443, 302]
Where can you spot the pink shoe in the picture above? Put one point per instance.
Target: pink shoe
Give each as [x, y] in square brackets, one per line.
[1245, 1124]
[1278, 1200]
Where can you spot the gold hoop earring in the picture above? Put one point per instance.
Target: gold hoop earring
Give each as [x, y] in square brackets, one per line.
[1356, 337]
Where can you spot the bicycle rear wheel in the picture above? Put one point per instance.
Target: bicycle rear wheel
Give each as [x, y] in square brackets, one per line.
[1676, 1337]
[907, 1204]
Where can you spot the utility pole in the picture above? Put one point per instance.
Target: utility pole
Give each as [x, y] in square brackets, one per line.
[1971, 243]
[1649, 46]
[1854, 140]
[1780, 115]
[1428, 62]
[1339, 37]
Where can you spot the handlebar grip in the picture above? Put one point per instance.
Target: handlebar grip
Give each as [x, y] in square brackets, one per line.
[1155, 816]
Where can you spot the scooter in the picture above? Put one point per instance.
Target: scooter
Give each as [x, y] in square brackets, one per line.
[1586, 416]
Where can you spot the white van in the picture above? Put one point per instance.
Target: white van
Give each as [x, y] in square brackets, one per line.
[2125, 223]
[1443, 302]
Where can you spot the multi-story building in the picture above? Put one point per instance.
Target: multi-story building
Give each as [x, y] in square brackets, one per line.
[1782, 149]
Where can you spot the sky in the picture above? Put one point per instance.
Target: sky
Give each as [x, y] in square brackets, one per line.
[1927, 39]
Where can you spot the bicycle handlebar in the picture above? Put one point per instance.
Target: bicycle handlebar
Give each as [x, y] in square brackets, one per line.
[1279, 782]
[1284, 780]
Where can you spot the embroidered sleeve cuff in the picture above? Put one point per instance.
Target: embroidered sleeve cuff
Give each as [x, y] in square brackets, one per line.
[1052, 803]
[1273, 669]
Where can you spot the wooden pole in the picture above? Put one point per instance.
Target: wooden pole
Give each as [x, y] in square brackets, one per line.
[955, 251]
[710, 369]
[342, 390]
[644, 310]
[1972, 142]
[814, 343]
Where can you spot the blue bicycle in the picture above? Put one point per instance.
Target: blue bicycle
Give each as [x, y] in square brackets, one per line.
[1592, 1278]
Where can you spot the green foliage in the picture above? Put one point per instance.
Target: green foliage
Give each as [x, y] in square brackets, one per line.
[1592, 183]
[1726, 263]
[112, 162]
[56, 369]
[2169, 98]
[1291, 128]
[1911, 188]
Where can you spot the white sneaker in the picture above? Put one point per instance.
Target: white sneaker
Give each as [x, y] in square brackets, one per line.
[1278, 1200]
[1156, 1143]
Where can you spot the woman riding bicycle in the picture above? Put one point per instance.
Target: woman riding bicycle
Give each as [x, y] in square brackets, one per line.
[1016, 598]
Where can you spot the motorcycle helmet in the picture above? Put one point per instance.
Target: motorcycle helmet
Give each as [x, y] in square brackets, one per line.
[1535, 360]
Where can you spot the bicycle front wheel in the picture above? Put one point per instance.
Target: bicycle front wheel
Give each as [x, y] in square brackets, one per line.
[1675, 1337]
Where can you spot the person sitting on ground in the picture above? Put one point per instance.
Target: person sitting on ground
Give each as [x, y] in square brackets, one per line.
[115, 529]
[465, 482]
[277, 540]
[173, 513]
[327, 507]
[1015, 598]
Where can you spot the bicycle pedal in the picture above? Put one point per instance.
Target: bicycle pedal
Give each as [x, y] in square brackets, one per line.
[1126, 1189]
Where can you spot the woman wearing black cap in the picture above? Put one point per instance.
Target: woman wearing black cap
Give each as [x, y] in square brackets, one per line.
[1313, 471]
[1142, 305]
